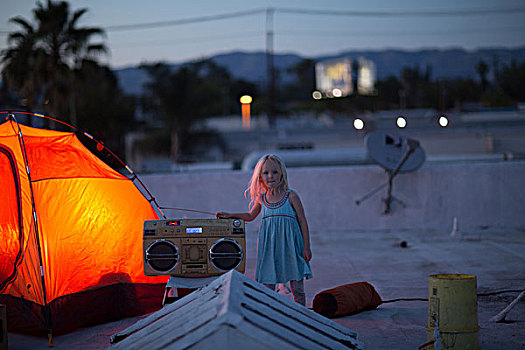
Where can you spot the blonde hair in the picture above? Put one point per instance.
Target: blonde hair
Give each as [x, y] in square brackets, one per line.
[256, 186]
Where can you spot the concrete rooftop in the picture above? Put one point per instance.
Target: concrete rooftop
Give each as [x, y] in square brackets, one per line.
[497, 258]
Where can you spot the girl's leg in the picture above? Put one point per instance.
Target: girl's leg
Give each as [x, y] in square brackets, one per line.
[297, 288]
[271, 286]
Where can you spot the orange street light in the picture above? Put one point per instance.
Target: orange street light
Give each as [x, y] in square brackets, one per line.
[245, 108]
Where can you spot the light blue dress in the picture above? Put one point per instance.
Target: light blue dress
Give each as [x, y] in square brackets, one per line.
[280, 245]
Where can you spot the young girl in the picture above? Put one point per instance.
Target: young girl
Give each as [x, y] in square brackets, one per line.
[283, 248]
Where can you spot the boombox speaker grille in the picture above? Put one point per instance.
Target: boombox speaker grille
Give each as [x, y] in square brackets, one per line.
[226, 254]
[162, 255]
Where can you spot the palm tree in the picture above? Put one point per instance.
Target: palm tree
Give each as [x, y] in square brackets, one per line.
[482, 69]
[23, 62]
[51, 50]
[66, 45]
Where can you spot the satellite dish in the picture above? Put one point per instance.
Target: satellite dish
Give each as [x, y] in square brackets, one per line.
[395, 154]
[389, 149]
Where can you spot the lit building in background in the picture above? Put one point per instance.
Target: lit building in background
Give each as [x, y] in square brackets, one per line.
[366, 77]
[334, 75]
[344, 77]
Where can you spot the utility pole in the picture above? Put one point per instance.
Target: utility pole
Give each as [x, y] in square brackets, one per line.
[270, 67]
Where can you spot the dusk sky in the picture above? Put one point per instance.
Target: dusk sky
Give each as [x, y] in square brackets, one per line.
[177, 31]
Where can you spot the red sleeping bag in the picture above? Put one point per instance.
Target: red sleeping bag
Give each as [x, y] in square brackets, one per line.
[346, 300]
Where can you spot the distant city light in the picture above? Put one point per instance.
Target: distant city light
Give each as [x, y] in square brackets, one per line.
[359, 124]
[401, 122]
[443, 121]
[246, 99]
[337, 92]
[317, 95]
[245, 110]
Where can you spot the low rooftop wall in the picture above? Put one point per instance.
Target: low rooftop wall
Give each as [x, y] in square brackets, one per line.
[481, 196]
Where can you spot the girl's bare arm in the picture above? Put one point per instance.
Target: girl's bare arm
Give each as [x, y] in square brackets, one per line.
[295, 201]
[249, 216]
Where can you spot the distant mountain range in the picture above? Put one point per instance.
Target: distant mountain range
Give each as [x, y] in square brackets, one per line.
[443, 63]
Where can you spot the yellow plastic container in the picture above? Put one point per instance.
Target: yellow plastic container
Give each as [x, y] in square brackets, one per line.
[453, 310]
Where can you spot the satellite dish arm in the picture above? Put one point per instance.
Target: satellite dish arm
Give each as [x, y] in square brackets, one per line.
[412, 146]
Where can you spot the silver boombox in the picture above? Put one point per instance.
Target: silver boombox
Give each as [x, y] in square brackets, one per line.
[193, 247]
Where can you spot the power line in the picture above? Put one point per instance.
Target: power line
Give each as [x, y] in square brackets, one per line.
[437, 13]
[183, 21]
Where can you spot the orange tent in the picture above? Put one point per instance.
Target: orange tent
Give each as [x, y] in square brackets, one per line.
[71, 235]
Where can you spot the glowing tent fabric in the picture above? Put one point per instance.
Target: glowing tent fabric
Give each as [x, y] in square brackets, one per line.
[71, 235]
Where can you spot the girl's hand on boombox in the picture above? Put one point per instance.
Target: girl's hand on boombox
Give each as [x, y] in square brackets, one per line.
[222, 215]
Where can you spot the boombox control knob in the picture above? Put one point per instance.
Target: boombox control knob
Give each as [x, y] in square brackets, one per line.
[236, 223]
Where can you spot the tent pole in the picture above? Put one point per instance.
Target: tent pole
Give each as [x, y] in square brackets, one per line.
[46, 310]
